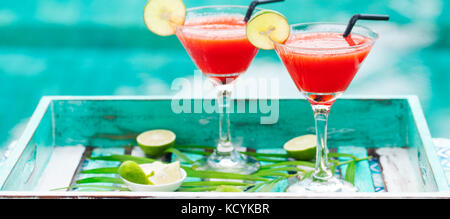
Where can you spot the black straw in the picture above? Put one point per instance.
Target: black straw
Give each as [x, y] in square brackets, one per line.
[357, 17]
[253, 5]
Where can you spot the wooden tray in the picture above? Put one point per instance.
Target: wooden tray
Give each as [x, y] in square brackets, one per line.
[64, 130]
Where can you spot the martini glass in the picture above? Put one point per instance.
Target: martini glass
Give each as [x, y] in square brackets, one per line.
[322, 64]
[215, 38]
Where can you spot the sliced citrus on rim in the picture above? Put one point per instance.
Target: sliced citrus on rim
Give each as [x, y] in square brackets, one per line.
[302, 147]
[162, 17]
[267, 26]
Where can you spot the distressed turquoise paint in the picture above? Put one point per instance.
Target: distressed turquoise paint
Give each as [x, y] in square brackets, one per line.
[32, 152]
[116, 122]
[422, 150]
[363, 176]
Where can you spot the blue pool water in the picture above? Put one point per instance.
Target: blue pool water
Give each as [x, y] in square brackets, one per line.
[101, 47]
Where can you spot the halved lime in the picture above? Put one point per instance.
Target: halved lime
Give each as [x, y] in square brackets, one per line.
[162, 17]
[132, 172]
[302, 148]
[267, 26]
[154, 142]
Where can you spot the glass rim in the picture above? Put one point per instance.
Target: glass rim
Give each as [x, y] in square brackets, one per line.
[214, 6]
[374, 39]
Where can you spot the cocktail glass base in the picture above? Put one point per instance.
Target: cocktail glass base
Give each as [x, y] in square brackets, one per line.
[333, 184]
[233, 162]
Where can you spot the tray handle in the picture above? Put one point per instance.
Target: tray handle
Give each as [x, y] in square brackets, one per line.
[30, 166]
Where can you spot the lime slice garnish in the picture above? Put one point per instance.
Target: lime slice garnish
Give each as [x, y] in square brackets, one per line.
[162, 17]
[132, 172]
[302, 148]
[267, 26]
[154, 142]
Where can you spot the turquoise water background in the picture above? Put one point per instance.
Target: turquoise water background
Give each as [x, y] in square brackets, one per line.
[101, 47]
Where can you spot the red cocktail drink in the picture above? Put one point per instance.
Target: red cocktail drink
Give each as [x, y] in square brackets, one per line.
[318, 71]
[218, 45]
[322, 64]
[215, 38]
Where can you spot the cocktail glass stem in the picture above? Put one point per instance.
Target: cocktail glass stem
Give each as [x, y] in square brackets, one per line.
[322, 171]
[226, 158]
[224, 102]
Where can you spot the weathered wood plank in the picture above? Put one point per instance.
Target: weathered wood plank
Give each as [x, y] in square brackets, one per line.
[363, 176]
[398, 173]
[61, 168]
[377, 176]
[116, 122]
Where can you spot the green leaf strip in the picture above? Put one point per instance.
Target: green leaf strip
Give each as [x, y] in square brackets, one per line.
[280, 169]
[336, 155]
[220, 175]
[194, 147]
[105, 170]
[269, 186]
[197, 189]
[180, 155]
[254, 154]
[100, 180]
[271, 174]
[290, 163]
[263, 159]
[351, 161]
[122, 158]
[205, 153]
[93, 187]
[307, 175]
[350, 173]
[214, 183]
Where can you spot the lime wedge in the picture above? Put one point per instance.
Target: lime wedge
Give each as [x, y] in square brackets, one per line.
[267, 26]
[132, 172]
[162, 17]
[302, 148]
[154, 142]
